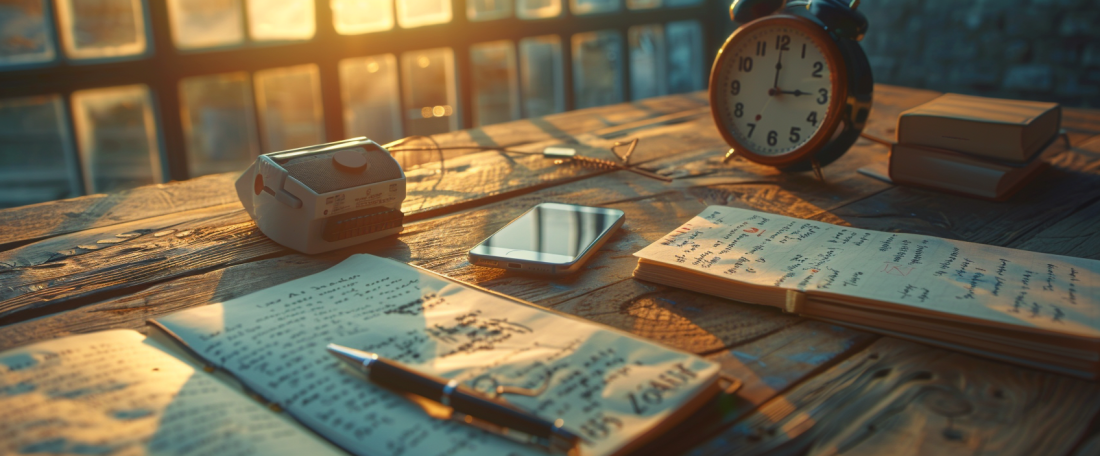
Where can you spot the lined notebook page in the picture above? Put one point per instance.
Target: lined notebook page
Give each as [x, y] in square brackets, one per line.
[1016, 287]
[608, 387]
[112, 393]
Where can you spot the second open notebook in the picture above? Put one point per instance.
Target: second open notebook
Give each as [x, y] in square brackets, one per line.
[613, 389]
[1030, 308]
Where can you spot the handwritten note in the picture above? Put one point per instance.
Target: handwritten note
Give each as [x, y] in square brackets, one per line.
[607, 386]
[1005, 286]
[112, 393]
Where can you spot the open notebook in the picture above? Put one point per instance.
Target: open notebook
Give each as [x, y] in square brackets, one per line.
[613, 389]
[1030, 308]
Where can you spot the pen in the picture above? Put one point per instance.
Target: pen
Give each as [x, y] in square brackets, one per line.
[471, 407]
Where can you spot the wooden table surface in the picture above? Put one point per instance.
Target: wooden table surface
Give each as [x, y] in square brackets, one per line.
[113, 261]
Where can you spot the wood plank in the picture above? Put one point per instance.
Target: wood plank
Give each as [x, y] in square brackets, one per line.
[39, 221]
[1053, 195]
[899, 396]
[767, 366]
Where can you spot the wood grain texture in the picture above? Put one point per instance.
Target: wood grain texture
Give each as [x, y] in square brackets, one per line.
[897, 397]
[38, 221]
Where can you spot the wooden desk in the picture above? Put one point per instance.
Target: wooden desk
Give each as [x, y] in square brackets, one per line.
[113, 261]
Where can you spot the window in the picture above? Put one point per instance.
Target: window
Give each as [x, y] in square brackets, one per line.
[113, 94]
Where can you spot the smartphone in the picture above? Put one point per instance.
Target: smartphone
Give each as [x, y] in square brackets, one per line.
[551, 238]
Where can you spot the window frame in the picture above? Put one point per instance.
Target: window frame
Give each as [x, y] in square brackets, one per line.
[163, 66]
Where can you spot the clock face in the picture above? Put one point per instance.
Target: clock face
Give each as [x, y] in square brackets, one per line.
[772, 89]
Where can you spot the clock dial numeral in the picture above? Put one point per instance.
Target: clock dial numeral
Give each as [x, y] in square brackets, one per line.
[784, 103]
[783, 42]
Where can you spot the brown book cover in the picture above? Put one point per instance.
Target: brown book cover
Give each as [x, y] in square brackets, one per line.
[953, 172]
[1012, 130]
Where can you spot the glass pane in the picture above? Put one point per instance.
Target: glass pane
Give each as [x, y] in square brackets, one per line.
[369, 90]
[538, 9]
[36, 162]
[542, 75]
[431, 104]
[218, 122]
[486, 10]
[289, 102]
[643, 4]
[351, 17]
[25, 32]
[682, 3]
[647, 61]
[582, 7]
[102, 28]
[686, 66]
[281, 20]
[597, 68]
[418, 13]
[205, 23]
[117, 137]
[496, 97]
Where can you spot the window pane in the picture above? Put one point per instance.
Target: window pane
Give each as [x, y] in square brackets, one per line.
[597, 68]
[682, 3]
[102, 28]
[36, 162]
[281, 20]
[289, 101]
[218, 123]
[496, 97]
[25, 33]
[205, 23]
[117, 137]
[538, 9]
[643, 4]
[369, 90]
[543, 85]
[486, 10]
[431, 105]
[582, 7]
[418, 13]
[647, 61]
[686, 66]
[351, 17]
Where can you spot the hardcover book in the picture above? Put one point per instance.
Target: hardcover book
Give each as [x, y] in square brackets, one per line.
[1012, 130]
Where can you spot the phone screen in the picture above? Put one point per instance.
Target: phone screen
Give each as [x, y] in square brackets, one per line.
[555, 229]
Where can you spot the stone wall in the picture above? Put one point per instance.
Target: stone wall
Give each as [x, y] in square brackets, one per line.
[1027, 49]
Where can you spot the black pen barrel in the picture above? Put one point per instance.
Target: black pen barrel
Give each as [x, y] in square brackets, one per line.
[400, 378]
[499, 413]
[462, 399]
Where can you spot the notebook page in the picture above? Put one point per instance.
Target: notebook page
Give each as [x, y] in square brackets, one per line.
[1016, 287]
[607, 387]
[111, 393]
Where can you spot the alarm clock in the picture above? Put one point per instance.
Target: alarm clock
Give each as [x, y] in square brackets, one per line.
[791, 87]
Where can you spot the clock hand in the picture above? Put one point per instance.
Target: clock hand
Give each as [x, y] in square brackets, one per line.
[796, 93]
[778, 66]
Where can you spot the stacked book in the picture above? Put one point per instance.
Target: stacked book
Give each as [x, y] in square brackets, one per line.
[983, 147]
